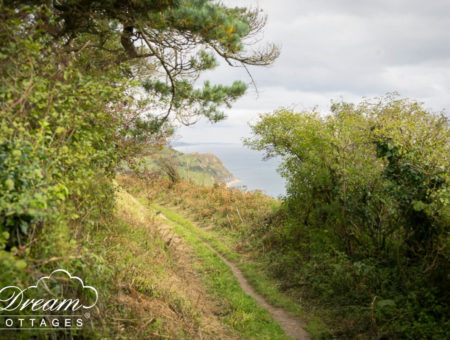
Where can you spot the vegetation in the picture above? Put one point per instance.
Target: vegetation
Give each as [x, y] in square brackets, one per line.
[147, 288]
[242, 313]
[365, 224]
[361, 240]
[201, 169]
[230, 220]
[72, 109]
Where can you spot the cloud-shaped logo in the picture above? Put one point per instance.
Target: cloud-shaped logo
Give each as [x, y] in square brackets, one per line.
[35, 297]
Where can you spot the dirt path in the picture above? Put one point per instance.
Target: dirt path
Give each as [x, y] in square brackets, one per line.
[292, 326]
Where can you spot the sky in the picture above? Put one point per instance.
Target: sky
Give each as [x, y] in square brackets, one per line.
[338, 49]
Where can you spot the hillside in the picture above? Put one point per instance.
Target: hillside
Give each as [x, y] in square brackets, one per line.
[199, 168]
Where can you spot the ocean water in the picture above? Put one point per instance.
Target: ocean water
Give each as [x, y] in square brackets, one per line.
[247, 165]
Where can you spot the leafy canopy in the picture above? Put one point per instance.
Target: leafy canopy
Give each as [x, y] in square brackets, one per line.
[166, 43]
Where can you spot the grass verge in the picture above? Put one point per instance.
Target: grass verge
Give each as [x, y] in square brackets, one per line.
[147, 291]
[252, 271]
[242, 313]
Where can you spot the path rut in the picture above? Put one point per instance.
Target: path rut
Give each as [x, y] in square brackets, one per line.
[291, 325]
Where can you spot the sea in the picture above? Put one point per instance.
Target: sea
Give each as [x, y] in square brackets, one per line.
[247, 165]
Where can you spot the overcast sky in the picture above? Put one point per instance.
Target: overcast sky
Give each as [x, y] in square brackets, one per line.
[332, 49]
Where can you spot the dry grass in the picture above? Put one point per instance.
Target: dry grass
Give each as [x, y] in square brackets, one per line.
[228, 210]
[152, 291]
[242, 226]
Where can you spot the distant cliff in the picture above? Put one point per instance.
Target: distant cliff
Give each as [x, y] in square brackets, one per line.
[200, 168]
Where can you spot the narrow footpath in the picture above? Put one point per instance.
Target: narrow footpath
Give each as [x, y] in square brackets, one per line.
[291, 325]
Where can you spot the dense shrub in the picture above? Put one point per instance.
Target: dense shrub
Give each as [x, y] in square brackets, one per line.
[60, 140]
[366, 217]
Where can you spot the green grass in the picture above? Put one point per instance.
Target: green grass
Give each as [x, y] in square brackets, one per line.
[250, 270]
[142, 292]
[253, 271]
[242, 313]
[211, 214]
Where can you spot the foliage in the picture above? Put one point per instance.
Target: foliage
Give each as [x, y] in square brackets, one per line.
[58, 132]
[366, 217]
[72, 107]
[170, 43]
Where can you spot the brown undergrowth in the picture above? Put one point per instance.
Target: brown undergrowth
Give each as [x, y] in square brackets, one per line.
[243, 227]
[152, 291]
[228, 209]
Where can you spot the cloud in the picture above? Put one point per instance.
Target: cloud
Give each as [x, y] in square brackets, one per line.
[349, 49]
[248, 108]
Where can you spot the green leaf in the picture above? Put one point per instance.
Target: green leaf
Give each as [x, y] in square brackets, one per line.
[24, 227]
[419, 205]
[386, 303]
[9, 184]
[21, 264]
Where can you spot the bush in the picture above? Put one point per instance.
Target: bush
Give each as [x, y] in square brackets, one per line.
[366, 211]
[59, 138]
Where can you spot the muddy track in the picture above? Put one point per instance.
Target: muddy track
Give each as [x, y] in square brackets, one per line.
[291, 325]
